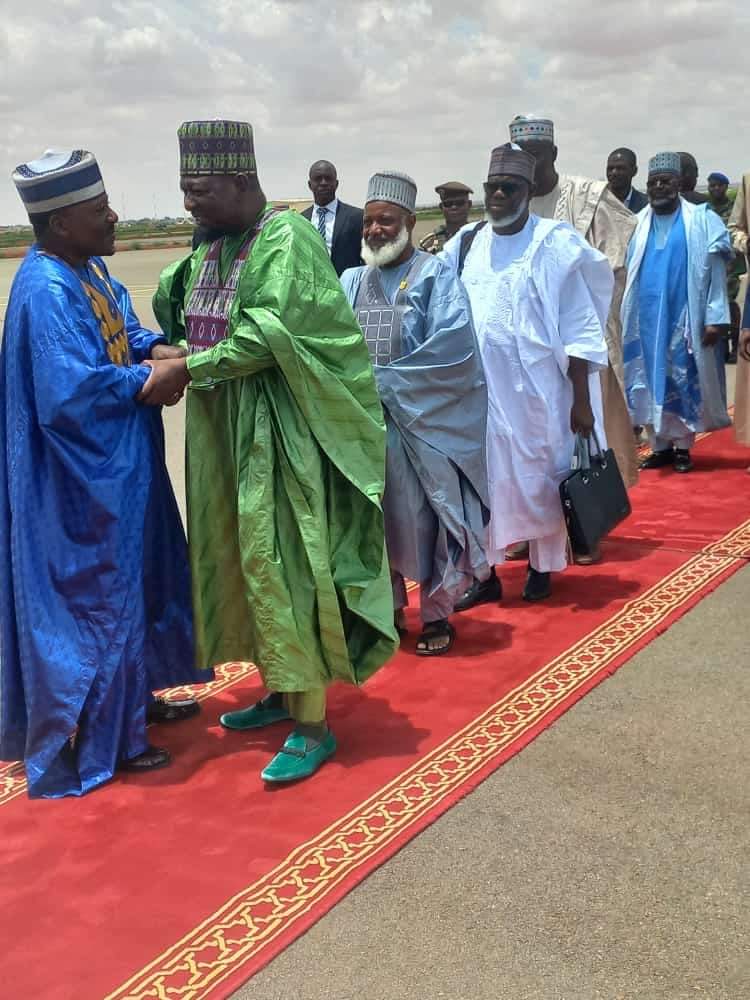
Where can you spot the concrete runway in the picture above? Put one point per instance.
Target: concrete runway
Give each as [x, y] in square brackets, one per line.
[608, 861]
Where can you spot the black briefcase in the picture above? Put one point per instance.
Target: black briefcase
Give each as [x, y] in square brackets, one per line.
[594, 498]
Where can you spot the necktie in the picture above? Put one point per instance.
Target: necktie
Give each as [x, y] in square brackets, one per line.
[322, 213]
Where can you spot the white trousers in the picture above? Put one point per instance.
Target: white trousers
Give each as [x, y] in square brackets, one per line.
[662, 444]
[549, 554]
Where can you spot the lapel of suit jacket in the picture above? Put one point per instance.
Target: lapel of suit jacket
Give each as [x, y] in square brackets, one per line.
[338, 224]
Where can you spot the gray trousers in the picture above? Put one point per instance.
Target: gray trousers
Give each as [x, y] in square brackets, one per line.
[432, 607]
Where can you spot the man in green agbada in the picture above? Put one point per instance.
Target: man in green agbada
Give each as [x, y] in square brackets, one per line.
[285, 450]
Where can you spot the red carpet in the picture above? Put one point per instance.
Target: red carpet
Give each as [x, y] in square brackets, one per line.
[183, 883]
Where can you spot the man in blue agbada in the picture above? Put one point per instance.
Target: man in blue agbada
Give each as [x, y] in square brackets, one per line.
[417, 323]
[95, 607]
[674, 313]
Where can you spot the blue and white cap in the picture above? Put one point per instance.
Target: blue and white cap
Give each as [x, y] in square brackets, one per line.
[390, 185]
[526, 128]
[58, 179]
[665, 163]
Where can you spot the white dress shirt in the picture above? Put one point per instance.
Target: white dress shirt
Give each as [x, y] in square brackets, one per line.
[330, 209]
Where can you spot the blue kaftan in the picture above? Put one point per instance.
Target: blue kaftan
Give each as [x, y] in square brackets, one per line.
[676, 287]
[434, 395]
[94, 584]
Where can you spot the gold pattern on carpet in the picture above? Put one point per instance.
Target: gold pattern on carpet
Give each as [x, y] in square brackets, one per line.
[253, 918]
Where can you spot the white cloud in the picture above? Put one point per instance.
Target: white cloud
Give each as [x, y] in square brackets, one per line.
[426, 87]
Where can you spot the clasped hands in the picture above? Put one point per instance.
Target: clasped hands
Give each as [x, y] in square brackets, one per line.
[168, 377]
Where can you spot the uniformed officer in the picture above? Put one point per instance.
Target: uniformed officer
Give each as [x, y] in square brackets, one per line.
[455, 202]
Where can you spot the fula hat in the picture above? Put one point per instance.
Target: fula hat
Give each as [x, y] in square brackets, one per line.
[390, 185]
[665, 163]
[58, 179]
[216, 147]
[511, 159]
[453, 187]
[532, 127]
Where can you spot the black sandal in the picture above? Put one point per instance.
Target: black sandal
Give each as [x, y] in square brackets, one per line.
[441, 629]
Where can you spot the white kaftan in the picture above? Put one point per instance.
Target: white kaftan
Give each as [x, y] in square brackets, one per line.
[538, 298]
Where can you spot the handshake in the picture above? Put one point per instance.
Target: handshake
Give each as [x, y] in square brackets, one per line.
[168, 378]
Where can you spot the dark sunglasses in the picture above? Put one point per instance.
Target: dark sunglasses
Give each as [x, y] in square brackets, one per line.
[454, 202]
[508, 188]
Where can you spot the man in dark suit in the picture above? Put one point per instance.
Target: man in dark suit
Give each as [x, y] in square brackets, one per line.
[688, 180]
[339, 225]
[622, 166]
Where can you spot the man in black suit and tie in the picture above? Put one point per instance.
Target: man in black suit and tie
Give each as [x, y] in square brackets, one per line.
[339, 225]
[622, 166]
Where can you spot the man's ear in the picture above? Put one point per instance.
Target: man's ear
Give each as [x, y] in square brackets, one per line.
[410, 222]
[58, 225]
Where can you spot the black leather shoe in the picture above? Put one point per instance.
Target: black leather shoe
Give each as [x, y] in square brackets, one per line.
[682, 461]
[161, 710]
[538, 586]
[480, 593]
[150, 760]
[658, 459]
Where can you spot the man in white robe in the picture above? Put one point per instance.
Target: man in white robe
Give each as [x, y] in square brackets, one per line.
[540, 296]
[599, 216]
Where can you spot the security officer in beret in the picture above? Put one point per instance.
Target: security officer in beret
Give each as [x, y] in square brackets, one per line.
[455, 202]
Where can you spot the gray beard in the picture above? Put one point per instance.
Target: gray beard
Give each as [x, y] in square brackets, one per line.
[505, 220]
[388, 253]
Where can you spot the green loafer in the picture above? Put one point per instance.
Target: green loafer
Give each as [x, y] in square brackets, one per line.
[263, 713]
[299, 758]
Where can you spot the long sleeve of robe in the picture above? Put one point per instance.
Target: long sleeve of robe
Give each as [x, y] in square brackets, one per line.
[534, 308]
[286, 463]
[94, 584]
[435, 398]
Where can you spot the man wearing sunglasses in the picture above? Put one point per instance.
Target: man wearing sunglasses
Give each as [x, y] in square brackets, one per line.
[602, 220]
[455, 204]
[539, 297]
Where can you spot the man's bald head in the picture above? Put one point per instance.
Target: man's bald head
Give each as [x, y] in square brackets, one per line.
[323, 182]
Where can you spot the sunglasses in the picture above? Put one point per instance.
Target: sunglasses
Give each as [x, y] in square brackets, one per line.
[454, 202]
[508, 188]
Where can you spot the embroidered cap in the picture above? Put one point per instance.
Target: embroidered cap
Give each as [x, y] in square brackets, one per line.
[58, 179]
[511, 159]
[389, 185]
[665, 163]
[216, 147]
[532, 127]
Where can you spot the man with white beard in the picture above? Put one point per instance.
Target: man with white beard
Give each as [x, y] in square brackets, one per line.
[416, 320]
[539, 297]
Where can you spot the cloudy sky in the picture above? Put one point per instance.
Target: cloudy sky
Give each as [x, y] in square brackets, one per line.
[425, 86]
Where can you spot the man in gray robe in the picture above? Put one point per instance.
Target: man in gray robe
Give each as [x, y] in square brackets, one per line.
[417, 323]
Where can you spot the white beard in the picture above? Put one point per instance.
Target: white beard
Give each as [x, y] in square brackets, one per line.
[505, 220]
[386, 254]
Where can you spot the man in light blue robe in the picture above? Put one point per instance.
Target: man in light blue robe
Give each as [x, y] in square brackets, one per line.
[675, 312]
[95, 609]
[417, 323]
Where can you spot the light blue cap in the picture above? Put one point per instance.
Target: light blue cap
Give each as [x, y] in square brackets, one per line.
[394, 187]
[665, 163]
